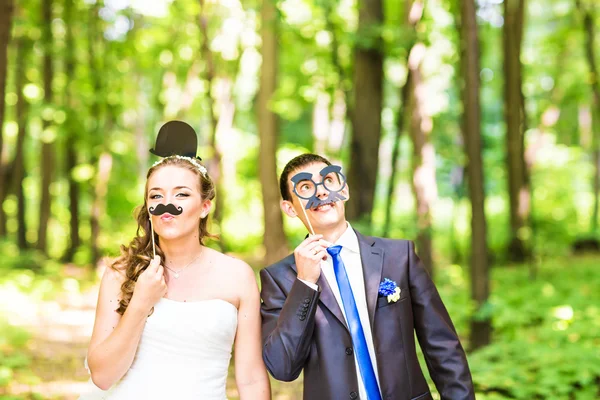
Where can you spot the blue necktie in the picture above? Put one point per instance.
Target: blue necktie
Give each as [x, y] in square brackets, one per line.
[356, 331]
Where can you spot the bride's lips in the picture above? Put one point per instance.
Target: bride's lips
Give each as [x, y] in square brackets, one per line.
[166, 217]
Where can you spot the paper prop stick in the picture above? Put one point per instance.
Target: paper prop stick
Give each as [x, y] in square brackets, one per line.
[152, 233]
[159, 210]
[332, 179]
[176, 138]
[306, 188]
[311, 229]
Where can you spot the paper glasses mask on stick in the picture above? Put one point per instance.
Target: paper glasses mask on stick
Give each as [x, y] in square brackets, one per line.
[332, 179]
[175, 138]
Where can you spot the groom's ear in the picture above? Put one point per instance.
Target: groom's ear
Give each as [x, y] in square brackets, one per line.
[345, 192]
[288, 208]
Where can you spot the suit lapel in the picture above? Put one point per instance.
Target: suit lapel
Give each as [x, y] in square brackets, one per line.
[327, 298]
[372, 262]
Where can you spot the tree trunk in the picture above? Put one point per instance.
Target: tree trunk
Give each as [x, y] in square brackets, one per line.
[71, 154]
[340, 99]
[337, 128]
[6, 12]
[414, 15]
[274, 239]
[366, 113]
[480, 328]
[400, 119]
[216, 170]
[518, 181]
[594, 79]
[98, 205]
[320, 123]
[141, 131]
[104, 161]
[47, 159]
[424, 184]
[596, 184]
[23, 47]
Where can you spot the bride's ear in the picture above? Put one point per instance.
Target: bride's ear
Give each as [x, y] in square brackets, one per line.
[206, 206]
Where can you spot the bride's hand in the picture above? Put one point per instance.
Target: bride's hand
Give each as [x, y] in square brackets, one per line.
[150, 286]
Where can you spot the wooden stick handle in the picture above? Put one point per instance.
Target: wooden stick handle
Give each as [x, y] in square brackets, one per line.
[312, 231]
[152, 233]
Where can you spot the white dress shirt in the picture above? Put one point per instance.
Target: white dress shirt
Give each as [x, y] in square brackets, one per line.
[351, 257]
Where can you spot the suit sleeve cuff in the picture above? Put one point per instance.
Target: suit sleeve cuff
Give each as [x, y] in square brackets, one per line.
[311, 285]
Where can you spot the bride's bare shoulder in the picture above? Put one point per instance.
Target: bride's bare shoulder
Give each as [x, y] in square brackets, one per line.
[235, 269]
[113, 276]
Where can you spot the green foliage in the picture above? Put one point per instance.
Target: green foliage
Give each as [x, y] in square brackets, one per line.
[545, 343]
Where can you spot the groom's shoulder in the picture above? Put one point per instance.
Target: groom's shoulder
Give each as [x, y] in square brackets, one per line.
[281, 266]
[377, 241]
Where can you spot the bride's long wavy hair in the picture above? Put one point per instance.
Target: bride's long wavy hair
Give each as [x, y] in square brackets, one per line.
[136, 257]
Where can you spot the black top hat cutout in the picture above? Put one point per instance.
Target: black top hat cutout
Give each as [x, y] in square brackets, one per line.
[176, 138]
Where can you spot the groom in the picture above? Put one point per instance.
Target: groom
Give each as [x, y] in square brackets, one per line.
[344, 307]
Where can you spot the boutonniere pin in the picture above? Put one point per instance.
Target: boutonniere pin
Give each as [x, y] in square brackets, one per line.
[389, 288]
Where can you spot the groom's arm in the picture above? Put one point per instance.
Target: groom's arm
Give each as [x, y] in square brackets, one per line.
[287, 326]
[444, 355]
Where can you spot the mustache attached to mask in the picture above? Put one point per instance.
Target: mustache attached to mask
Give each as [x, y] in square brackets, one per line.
[332, 198]
[163, 209]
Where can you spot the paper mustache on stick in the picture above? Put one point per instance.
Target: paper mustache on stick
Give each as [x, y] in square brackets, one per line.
[163, 209]
[306, 188]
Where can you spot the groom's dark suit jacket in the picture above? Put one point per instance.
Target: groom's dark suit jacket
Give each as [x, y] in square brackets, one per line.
[305, 329]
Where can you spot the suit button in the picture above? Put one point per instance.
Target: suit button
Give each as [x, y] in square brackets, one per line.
[302, 318]
[304, 305]
[306, 301]
[349, 351]
[353, 395]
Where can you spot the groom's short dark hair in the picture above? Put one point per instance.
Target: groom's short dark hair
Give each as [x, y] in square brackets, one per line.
[292, 165]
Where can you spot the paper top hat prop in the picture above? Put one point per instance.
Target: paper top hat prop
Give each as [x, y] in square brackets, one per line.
[176, 138]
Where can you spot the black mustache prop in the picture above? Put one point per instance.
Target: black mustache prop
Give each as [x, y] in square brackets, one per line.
[163, 209]
[332, 198]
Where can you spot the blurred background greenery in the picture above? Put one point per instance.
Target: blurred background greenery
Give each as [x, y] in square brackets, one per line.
[471, 127]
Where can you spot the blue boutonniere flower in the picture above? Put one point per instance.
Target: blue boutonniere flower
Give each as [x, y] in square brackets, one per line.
[389, 288]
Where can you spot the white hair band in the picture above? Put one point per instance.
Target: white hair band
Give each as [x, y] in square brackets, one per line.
[194, 162]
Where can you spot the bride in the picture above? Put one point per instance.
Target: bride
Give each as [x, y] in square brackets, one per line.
[165, 325]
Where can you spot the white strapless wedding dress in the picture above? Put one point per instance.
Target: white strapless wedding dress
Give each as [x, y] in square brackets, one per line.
[184, 353]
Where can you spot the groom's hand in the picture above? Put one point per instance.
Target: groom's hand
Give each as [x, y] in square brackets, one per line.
[308, 257]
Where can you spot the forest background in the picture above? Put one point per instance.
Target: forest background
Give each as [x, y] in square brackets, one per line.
[471, 127]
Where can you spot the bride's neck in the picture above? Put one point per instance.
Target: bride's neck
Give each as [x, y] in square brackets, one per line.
[180, 251]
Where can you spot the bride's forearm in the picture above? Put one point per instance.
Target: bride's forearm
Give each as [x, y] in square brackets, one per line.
[110, 360]
[258, 388]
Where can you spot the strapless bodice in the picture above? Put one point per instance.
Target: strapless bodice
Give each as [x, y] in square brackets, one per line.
[184, 353]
